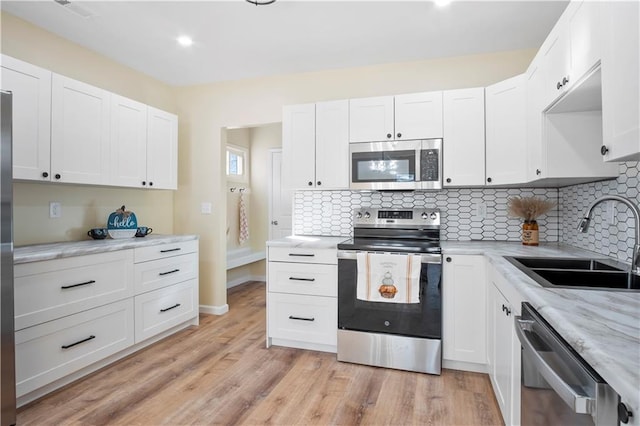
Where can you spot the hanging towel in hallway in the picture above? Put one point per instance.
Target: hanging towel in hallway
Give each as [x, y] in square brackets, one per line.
[243, 235]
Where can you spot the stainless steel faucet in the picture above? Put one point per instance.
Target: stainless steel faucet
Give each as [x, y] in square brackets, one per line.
[584, 226]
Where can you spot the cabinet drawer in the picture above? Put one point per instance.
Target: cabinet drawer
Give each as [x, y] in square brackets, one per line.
[284, 254]
[161, 273]
[301, 278]
[52, 289]
[159, 310]
[52, 350]
[161, 251]
[312, 319]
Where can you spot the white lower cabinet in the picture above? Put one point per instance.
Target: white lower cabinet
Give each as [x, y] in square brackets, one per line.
[464, 311]
[504, 359]
[54, 349]
[302, 305]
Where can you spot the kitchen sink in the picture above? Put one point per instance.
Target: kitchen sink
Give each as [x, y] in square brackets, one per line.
[584, 273]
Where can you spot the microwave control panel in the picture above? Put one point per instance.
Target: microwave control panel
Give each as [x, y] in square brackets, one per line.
[430, 165]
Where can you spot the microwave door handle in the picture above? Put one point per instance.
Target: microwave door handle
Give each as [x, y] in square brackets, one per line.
[580, 404]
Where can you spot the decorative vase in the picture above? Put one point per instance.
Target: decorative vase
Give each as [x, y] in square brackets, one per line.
[530, 233]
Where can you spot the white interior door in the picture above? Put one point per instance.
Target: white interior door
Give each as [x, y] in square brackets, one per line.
[279, 200]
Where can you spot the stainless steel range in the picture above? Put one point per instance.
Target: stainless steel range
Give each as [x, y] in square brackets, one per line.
[405, 336]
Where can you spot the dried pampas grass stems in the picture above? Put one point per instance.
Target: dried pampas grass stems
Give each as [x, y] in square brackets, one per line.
[529, 208]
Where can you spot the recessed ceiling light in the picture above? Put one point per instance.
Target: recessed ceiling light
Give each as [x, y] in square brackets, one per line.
[442, 3]
[185, 41]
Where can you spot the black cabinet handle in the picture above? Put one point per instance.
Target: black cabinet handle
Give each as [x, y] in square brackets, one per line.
[310, 183]
[389, 135]
[489, 179]
[170, 308]
[448, 259]
[45, 174]
[399, 135]
[169, 250]
[301, 255]
[302, 279]
[319, 183]
[506, 310]
[144, 183]
[301, 318]
[57, 176]
[169, 272]
[538, 172]
[565, 80]
[150, 183]
[78, 342]
[448, 180]
[559, 86]
[78, 285]
[604, 150]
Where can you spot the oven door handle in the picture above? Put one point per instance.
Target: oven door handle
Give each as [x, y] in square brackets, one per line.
[580, 404]
[424, 257]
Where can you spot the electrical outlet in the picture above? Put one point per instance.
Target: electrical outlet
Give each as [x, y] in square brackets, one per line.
[205, 208]
[55, 210]
[480, 210]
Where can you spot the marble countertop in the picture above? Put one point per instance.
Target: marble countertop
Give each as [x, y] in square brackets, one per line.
[307, 241]
[602, 326]
[39, 252]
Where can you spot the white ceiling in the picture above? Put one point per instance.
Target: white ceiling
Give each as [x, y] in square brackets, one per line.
[235, 40]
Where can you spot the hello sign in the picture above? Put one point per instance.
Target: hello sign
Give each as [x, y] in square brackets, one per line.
[122, 224]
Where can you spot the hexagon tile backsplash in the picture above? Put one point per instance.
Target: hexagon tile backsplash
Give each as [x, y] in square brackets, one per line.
[330, 212]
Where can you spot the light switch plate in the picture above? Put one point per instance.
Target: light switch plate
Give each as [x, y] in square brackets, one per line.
[55, 210]
[205, 208]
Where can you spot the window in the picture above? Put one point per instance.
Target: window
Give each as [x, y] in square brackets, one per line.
[236, 163]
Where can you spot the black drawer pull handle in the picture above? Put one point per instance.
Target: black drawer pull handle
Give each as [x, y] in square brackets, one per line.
[169, 272]
[170, 308]
[301, 318]
[169, 250]
[301, 255]
[78, 285]
[301, 279]
[78, 342]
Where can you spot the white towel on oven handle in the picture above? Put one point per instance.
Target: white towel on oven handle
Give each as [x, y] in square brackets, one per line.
[400, 270]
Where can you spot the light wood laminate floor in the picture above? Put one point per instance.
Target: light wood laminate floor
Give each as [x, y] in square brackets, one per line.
[221, 373]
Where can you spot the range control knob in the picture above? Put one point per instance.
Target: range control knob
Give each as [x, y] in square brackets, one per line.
[367, 215]
[624, 414]
[358, 215]
[424, 215]
[433, 216]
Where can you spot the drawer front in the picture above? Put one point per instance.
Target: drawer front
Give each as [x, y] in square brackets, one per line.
[162, 251]
[312, 319]
[49, 351]
[161, 273]
[301, 278]
[283, 254]
[159, 310]
[51, 294]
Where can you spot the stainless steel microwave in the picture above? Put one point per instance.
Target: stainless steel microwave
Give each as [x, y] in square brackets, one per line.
[397, 165]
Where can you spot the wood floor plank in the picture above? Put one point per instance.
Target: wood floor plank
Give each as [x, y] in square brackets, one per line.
[221, 373]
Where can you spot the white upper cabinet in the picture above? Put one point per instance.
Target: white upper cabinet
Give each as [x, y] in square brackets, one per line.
[79, 132]
[403, 117]
[315, 145]
[128, 142]
[298, 145]
[506, 132]
[418, 116]
[162, 150]
[31, 88]
[621, 81]
[556, 64]
[463, 146]
[585, 36]
[534, 106]
[332, 145]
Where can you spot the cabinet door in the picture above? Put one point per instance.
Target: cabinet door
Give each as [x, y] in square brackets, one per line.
[79, 132]
[162, 149]
[534, 106]
[463, 144]
[585, 38]
[502, 352]
[298, 145]
[128, 142]
[556, 64]
[371, 119]
[31, 88]
[464, 309]
[506, 144]
[620, 82]
[418, 116]
[332, 145]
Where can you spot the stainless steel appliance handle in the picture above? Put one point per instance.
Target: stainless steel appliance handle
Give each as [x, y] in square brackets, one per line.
[424, 257]
[580, 404]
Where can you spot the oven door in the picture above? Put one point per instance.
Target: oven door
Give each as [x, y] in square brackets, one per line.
[385, 165]
[422, 319]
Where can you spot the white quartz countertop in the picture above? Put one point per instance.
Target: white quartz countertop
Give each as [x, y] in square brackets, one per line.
[39, 252]
[306, 241]
[602, 326]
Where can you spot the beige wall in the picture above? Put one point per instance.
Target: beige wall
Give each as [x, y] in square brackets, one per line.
[83, 207]
[204, 110]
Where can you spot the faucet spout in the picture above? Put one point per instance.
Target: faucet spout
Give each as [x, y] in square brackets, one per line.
[584, 225]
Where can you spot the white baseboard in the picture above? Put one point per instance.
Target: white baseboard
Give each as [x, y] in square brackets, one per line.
[214, 310]
[245, 278]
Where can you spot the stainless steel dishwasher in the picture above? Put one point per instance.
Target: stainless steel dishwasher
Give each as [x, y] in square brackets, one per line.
[557, 386]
